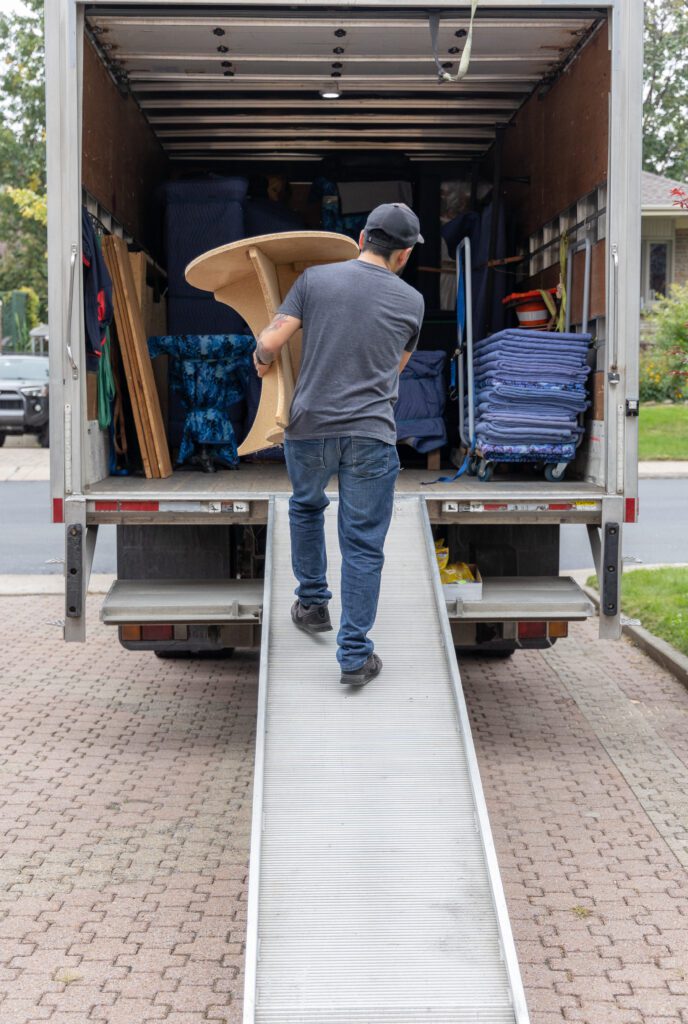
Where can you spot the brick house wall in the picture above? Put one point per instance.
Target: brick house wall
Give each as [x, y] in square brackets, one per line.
[681, 256]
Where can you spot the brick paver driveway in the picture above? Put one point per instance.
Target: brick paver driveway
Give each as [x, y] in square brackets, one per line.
[125, 808]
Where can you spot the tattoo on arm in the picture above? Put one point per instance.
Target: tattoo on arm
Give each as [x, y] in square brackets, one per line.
[277, 321]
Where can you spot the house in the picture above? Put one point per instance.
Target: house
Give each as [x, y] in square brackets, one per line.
[664, 238]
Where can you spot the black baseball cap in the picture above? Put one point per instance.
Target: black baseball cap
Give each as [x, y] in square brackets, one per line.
[393, 226]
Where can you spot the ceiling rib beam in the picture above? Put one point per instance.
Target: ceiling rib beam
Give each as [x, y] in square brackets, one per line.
[173, 79]
[281, 157]
[325, 143]
[451, 120]
[539, 59]
[452, 21]
[325, 131]
[344, 102]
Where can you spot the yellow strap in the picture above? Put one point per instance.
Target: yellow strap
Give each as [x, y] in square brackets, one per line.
[549, 302]
[563, 262]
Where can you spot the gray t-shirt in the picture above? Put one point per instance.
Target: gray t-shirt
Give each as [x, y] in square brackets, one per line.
[358, 319]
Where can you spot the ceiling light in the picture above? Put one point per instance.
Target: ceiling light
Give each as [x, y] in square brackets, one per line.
[330, 92]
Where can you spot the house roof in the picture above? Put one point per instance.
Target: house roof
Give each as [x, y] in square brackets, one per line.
[657, 194]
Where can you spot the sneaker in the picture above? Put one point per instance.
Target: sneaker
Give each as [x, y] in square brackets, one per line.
[313, 619]
[371, 668]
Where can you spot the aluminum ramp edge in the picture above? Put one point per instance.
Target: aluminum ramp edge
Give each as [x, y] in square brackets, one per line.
[419, 891]
[504, 925]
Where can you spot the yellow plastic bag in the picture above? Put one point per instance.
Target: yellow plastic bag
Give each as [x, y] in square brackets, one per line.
[441, 554]
[463, 572]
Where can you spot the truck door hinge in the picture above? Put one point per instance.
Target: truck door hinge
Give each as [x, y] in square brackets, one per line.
[74, 569]
[610, 581]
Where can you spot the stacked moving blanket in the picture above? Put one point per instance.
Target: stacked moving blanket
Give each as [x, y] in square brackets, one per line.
[530, 388]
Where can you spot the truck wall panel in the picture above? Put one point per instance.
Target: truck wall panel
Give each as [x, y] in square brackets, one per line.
[550, 278]
[561, 140]
[122, 162]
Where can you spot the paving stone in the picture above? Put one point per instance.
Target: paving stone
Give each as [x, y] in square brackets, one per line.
[129, 810]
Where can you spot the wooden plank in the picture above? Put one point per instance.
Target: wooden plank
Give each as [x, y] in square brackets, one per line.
[140, 378]
[154, 315]
[145, 439]
[130, 373]
[142, 360]
[154, 312]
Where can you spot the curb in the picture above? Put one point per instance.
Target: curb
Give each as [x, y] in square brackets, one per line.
[666, 469]
[50, 584]
[659, 650]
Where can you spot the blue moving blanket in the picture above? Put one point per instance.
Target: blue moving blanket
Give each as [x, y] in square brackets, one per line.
[211, 375]
[530, 390]
[419, 412]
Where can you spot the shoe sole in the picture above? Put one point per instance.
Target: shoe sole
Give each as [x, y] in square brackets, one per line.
[345, 681]
[325, 628]
[313, 629]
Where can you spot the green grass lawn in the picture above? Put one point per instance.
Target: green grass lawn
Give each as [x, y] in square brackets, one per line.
[659, 598]
[663, 432]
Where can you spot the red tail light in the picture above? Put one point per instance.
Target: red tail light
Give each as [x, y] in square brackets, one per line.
[157, 632]
[532, 630]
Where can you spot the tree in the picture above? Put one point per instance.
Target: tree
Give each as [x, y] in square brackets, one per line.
[22, 152]
[666, 88]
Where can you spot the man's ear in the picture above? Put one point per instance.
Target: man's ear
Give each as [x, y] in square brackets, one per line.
[404, 257]
[361, 240]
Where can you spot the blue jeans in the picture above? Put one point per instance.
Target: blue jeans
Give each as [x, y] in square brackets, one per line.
[367, 471]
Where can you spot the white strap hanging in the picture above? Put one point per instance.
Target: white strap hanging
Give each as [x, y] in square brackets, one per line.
[465, 61]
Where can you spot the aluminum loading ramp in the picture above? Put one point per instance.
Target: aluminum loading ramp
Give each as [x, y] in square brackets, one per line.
[374, 890]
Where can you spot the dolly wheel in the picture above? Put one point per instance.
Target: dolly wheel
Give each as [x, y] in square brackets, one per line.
[485, 471]
[555, 473]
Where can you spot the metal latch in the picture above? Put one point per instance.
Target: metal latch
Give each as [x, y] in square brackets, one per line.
[632, 406]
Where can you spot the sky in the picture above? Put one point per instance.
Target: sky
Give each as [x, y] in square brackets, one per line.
[10, 6]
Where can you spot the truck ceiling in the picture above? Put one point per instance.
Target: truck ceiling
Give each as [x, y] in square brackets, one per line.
[238, 83]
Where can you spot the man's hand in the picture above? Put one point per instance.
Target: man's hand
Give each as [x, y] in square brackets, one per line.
[261, 370]
[272, 339]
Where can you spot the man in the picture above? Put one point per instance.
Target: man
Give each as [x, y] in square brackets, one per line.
[360, 325]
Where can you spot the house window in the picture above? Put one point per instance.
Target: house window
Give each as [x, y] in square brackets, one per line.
[656, 269]
[659, 268]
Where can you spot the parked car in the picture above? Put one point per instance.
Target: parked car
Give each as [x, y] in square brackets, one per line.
[24, 396]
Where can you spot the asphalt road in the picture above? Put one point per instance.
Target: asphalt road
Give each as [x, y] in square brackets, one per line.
[660, 537]
[30, 541]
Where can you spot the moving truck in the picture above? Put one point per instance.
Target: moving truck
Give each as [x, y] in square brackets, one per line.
[545, 125]
[374, 891]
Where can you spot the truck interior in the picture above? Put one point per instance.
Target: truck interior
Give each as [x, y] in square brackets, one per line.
[316, 115]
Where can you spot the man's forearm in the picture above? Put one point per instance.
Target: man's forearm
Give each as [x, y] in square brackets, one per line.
[269, 343]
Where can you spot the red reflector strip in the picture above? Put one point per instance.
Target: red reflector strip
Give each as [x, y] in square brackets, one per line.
[157, 632]
[58, 510]
[632, 509]
[495, 507]
[532, 630]
[138, 506]
[127, 506]
[565, 506]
